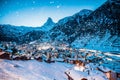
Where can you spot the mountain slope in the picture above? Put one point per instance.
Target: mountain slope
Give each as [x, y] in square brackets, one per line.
[23, 33]
[104, 24]
[101, 26]
[68, 26]
[12, 33]
[31, 36]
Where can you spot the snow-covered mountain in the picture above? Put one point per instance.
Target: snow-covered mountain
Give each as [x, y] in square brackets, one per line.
[48, 25]
[99, 29]
[78, 16]
[68, 26]
[102, 28]
[12, 33]
[23, 33]
[31, 36]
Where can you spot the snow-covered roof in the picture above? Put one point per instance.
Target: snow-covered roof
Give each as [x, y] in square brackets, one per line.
[105, 69]
[8, 50]
[72, 59]
[76, 75]
[59, 59]
[94, 75]
[91, 57]
[2, 48]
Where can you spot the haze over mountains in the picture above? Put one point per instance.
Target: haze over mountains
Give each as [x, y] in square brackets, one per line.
[99, 29]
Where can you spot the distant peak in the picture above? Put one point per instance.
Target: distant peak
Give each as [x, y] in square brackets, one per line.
[49, 19]
[49, 22]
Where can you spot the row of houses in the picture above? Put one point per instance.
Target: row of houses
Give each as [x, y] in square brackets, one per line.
[87, 69]
[31, 51]
[57, 52]
[5, 54]
[62, 53]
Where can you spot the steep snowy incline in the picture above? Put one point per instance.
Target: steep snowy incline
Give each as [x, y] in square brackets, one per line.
[101, 29]
[107, 43]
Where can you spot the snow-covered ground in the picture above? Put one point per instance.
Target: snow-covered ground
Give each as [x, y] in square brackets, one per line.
[32, 70]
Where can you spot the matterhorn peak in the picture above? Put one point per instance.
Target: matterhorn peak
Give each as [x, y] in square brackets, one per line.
[49, 22]
[48, 25]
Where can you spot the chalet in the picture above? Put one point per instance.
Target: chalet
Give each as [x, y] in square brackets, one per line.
[109, 74]
[38, 57]
[80, 66]
[71, 60]
[6, 54]
[59, 60]
[1, 49]
[75, 75]
[16, 58]
[24, 57]
[75, 61]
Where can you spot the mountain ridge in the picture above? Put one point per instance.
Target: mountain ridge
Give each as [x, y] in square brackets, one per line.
[91, 29]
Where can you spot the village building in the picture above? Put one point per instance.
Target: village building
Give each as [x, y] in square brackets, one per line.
[111, 75]
[6, 54]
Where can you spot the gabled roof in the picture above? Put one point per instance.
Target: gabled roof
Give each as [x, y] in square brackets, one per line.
[8, 50]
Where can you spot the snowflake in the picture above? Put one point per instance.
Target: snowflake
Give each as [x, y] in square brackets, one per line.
[17, 13]
[32, 8]
[33, 2]
[52, 2]
[58, 6]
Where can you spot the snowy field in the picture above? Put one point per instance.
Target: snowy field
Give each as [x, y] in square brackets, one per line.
[32, 70]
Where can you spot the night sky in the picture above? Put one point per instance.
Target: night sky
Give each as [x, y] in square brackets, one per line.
[36, 12]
